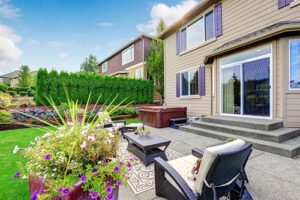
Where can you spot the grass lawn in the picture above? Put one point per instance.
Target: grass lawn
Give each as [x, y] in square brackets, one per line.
[10, 188]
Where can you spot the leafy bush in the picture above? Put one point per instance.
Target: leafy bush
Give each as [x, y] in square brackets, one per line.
[80, 85]
[5, 117]
[31, 93]
[5, 100]
[124, 111]
[23, 93]
[63, 108]
[12, 92]
[3, 87]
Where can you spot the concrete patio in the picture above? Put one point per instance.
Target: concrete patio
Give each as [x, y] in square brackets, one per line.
[271, 177]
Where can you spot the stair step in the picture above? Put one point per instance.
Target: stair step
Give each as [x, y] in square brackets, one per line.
[279, 135]
[259, 124]
[290, 148]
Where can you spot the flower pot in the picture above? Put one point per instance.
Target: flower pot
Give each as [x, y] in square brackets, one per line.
[77, 193]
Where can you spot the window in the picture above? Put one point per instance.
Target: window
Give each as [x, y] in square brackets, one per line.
[198, 32]
[128, 55]
[104, 67]
[189, 82]
[139, 74]
[295, 64]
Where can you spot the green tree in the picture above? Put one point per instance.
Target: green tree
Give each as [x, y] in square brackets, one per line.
[155, 61]
[25, 76]
[90, 64]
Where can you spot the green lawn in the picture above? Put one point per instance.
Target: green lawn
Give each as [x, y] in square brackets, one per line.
[10, 188]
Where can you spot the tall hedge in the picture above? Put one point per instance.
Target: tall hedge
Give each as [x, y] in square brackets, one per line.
[80, 85]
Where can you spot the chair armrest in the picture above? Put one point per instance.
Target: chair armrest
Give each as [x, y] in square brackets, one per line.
[197, 152]
[162, 165]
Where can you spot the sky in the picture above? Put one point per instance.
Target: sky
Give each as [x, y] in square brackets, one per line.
[60, 34]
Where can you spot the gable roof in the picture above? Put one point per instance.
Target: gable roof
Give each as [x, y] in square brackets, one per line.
[14, 74]
[195, 11]
[125, 46]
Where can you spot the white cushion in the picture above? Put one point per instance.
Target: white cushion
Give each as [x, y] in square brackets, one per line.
[118, 126]
[133, 125]
[209, 157]
[184, 167]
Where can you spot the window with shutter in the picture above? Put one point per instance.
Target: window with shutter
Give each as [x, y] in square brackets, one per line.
[283, 3]
[187, 83]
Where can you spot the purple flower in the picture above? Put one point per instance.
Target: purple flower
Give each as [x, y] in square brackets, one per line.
[47, 156]
[118, 183]
[110, 197]
[94, 195]
[17, 175]
[59, 189]
[42, 190]
[121, 163]
[117, 169]
[34, 195]
[129, 166]
[66, 191]
[91, 138]
[109, 189]
[83, 178]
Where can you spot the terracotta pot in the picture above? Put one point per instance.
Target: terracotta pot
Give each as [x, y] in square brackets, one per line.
[36, 183]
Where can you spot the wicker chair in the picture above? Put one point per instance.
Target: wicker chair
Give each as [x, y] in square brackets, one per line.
[219, 180]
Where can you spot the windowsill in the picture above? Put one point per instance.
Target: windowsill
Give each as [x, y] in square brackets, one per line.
[295, 3]
[189, 97]
[198, 46]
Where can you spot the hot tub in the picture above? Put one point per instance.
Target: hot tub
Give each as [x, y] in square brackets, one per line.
[159, 116]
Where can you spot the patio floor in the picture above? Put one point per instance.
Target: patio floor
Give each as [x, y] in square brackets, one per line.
[271, 177]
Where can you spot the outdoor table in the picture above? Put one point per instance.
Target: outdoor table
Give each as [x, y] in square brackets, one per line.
[146, 147]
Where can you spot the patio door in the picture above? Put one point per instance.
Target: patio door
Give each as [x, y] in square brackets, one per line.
[246, 84]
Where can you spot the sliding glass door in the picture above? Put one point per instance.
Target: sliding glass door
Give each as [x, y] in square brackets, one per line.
[245, 84]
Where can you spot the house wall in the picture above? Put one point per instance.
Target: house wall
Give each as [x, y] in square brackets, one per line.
[240, 17]
[131, 71]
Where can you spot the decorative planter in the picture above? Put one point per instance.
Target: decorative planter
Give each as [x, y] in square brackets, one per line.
[36, 183]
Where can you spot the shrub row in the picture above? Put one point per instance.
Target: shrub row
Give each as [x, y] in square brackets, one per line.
[80, 85]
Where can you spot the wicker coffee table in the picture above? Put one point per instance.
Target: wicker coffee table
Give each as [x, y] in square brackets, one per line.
[147, 147]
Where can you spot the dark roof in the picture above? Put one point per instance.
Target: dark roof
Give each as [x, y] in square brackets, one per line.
[259, 35]
[14, 74]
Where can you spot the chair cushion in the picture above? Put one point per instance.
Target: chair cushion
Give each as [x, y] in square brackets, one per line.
[184, 167]
[133, 125]
[209, 157]
[118, 126]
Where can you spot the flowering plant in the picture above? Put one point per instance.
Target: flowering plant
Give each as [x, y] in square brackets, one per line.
[76, 154]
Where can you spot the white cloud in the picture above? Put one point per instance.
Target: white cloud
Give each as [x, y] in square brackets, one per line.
[105, 24]
[168, 13]
[9, 51]
[63, 55]
[8, 11]
[56, 43]
[33, 42]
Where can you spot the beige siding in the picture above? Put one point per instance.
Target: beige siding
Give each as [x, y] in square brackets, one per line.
[240, 17]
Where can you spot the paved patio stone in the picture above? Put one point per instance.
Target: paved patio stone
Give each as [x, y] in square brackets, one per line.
[272, 177]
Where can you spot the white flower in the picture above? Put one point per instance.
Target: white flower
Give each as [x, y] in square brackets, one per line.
[16, 149]
[107, 141]
[36, 138]
[59, 135]
[111, 135]
[70, 124]
[84, 132]
[24, 177]
[71, 130]
[91, 138]
[46, 135]
[84, 145]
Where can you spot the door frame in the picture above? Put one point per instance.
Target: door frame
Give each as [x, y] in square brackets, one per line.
[240, 63]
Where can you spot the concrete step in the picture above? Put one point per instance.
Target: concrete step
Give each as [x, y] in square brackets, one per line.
[289, 148]
[259, 124]
[278, 135]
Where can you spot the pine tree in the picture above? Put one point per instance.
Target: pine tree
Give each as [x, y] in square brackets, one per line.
[24, 76]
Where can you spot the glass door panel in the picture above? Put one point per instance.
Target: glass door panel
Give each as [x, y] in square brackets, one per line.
[256, 87]
[231, 90]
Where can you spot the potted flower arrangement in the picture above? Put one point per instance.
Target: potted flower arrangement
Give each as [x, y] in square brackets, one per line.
[75, 160]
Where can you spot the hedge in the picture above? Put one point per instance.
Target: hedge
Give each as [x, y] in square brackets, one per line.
[80, 85]
[3, 87]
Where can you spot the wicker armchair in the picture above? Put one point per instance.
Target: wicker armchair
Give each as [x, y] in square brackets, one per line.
[219, 180]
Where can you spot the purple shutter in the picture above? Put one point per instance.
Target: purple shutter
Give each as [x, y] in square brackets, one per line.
[218, 20]
[201, 81]
[183, 40]
[281, 3]
[177, 42]
[288, 2]
[178, 85]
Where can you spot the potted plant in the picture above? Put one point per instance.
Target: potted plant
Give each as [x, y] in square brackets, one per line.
[75, 160]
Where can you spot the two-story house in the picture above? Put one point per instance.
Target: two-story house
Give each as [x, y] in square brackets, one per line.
[129, 60]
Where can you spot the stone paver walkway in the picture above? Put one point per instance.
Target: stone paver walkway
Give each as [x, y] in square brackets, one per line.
[271, 177]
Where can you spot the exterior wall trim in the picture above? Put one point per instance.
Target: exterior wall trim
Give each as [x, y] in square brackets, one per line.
[136, 65]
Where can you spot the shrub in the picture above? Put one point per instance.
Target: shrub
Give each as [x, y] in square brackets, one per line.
[5, 100]
[80, 85]
[63, 108]
[124, 111]
[5, 117]
[23, 93]
[3, 87]
[12, 92]
[31, 93]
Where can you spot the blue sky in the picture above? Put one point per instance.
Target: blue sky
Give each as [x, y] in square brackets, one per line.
[61, 33]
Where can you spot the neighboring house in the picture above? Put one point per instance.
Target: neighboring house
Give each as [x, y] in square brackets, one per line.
[129, 60]
[11, 79]
[236, 58]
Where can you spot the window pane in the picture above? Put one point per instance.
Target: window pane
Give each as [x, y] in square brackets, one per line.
[195, 33]
[128, 55]
[209, 26]
[295, 64]
[184, 84]
[194, 82]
